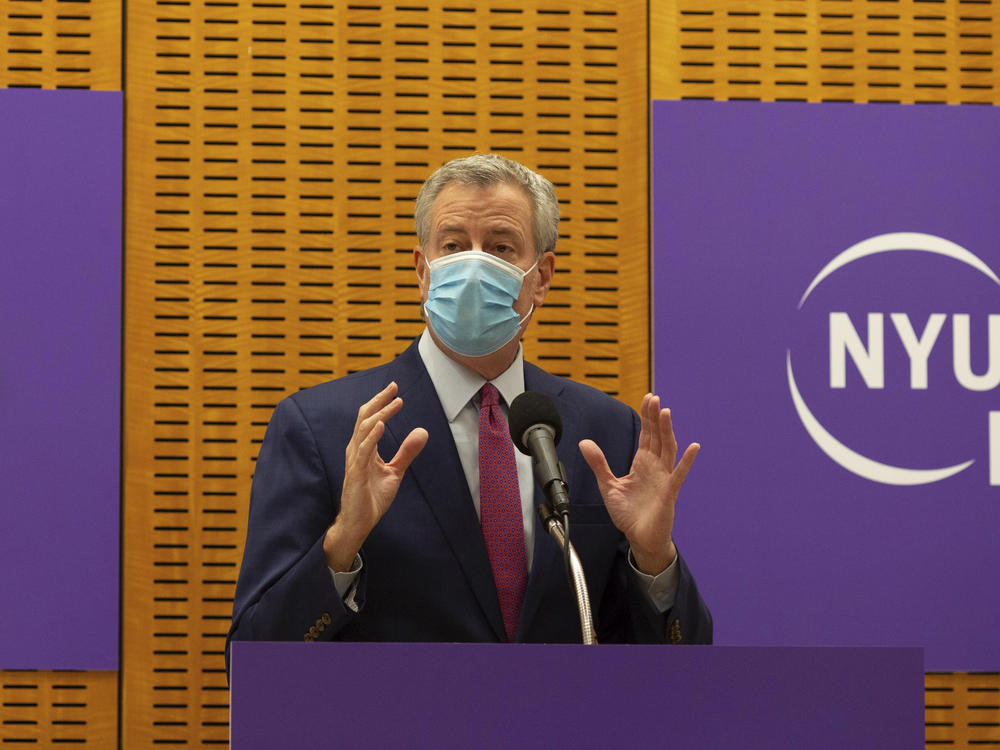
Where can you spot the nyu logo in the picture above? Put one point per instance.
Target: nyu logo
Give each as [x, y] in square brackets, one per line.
[866, 348]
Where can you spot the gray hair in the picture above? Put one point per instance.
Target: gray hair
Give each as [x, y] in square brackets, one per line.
[488, 170]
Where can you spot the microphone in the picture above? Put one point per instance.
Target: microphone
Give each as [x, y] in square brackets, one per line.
[535, 428]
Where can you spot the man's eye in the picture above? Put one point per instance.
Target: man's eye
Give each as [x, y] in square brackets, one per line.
[503, 249]
[451, 247]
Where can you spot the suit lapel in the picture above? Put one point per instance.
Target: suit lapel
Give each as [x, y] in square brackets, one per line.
[546, 556]
[438, 473]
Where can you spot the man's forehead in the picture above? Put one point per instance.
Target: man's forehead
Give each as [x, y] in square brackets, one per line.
[457, 190]
[498, 207]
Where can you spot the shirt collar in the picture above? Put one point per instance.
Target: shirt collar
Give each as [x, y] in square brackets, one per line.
[456, 385]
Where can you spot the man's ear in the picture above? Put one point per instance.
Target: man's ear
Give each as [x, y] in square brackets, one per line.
[546, 270]
[423, 273]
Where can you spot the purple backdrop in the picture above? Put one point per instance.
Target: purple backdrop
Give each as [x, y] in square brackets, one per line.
[371, 695]
[60, 323]
[833, 502]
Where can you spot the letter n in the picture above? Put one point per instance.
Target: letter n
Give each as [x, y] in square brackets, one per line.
[870, 360]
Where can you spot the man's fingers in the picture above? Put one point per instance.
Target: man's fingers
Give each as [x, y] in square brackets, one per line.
[368, 446]
[363, 428]
[374, 405]
[598, 464]
[681, 472]
[383, 415]
[653, 420]
[412, 445]
[669, 442]
[644, 422]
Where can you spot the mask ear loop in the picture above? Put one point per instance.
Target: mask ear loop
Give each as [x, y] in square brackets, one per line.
[528, 314]
[532, 309]
[533, 267]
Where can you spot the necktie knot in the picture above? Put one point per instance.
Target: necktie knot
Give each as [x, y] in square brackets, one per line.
[489, 396]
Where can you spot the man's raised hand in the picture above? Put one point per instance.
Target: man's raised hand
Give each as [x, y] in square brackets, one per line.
[370, 484]
[641, 503]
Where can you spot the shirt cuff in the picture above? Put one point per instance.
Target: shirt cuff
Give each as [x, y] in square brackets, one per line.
[660, 589]
[347, 583]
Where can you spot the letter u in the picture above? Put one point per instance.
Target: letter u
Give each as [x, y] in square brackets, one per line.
[962, 350]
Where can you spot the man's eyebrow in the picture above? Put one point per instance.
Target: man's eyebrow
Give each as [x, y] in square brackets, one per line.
[504, 231]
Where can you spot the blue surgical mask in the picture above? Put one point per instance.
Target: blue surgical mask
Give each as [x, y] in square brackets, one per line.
[470, 301]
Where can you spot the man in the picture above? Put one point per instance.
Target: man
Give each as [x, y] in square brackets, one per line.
[388, 505]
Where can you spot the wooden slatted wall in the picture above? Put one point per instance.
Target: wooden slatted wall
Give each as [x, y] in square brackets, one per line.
[59, 708]
[962, 710]
[907, 51]
[275, 149]
[65, 44]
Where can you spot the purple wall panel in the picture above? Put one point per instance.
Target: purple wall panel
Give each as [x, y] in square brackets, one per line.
[60, 327]
[848, 490]
[295, 695]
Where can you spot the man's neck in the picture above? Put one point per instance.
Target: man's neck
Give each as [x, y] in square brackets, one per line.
[490, 366]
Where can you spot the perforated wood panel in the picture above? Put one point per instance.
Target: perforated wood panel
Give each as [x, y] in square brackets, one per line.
[61, 44]
[54, 709]
[827, 50]
[844, 50]
[963, 709]
[274, 152]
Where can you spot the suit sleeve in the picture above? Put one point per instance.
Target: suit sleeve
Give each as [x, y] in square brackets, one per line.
[285, 590]
[688, 621]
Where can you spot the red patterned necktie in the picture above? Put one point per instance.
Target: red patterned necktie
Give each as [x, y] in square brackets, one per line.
[500, 508]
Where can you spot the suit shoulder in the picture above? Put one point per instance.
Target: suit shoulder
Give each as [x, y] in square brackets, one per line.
[588, 402]
[347, 393]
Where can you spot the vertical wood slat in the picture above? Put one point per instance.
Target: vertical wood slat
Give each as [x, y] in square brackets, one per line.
[57, 708]
[274, 151]
[844, 50]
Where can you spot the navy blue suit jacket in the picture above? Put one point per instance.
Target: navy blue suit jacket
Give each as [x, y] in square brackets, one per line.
[426, 574]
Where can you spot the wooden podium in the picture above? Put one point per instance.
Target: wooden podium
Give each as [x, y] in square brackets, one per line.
[392, 695]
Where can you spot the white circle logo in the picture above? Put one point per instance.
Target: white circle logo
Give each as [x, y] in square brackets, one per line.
[917, 347]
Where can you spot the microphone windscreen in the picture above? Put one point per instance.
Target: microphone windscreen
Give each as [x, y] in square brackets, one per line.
[529, 409]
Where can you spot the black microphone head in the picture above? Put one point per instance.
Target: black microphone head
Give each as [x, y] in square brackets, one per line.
[529, 409]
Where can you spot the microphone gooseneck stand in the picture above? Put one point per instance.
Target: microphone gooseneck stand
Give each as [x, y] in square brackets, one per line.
[578, 582]
[535, 428]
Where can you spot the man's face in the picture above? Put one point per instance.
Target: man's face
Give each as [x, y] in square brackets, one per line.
[496, 220]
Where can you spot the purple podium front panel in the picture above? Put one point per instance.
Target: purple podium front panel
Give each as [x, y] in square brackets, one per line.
[826, 290]
[307, 695]
[60, 324]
